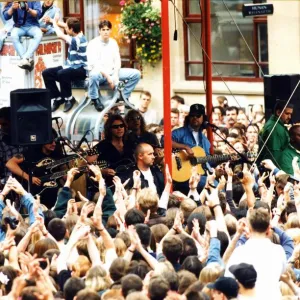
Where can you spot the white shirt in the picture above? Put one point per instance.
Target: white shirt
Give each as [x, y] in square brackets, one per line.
[149, 177]
[104, 56]
[196, 136]
[150, 116]
[269, 261]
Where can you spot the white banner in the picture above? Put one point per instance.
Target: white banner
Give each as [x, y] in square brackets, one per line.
[48, 55]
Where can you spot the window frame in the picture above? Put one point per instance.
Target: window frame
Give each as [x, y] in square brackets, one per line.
[197, 18]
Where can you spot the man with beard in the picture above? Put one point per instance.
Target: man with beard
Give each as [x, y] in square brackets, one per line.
[21, 164]
[231, 116]
[279, 138]
[189, 136]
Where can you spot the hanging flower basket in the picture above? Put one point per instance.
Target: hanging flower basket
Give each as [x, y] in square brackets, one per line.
[140, 21]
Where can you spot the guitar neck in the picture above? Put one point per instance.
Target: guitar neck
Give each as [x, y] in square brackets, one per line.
[62, 161]
[212, 158]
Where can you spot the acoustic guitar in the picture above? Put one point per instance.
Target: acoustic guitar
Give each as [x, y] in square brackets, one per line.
[182, 164]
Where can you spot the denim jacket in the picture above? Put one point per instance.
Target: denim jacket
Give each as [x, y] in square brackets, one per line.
[51, 12]
[184, 135]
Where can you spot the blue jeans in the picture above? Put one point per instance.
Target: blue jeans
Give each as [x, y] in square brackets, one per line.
[32, 31]
[96, 79]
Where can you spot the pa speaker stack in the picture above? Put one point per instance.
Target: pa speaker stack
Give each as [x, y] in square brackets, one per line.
[281, 87]
[30, 117]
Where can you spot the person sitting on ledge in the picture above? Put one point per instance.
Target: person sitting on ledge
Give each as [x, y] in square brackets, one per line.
[49, 11]
[105, 65]
[74, 69]
[25, 16]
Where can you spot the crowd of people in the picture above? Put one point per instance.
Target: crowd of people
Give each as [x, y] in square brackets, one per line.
[231, 232]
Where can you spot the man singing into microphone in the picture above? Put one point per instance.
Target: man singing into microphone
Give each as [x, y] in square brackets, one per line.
[190, 135]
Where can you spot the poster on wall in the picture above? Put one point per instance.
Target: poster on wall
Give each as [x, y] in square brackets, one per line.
[11, 76]
[49, 54]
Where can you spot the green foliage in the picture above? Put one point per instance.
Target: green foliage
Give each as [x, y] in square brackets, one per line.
[141, 21]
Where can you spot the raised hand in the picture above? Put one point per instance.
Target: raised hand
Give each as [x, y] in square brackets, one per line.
[168, 176]
[228, 170]
[12, 209]
[17, 187]
[137, 179]
[268, 164]
[248, 178]
[96, 171]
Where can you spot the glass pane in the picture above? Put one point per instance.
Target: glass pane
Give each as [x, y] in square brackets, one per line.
[74, 6]
[227, 43]
[234, 70]
[195, 50]
[262, 36]
[194, 7]
[196, 70]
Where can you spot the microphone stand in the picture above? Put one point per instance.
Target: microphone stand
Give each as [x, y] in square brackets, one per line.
[60, 138]
[241, 155]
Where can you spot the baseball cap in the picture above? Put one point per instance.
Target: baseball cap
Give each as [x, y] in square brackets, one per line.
[244, 273]
[197, 109]
[226, 285]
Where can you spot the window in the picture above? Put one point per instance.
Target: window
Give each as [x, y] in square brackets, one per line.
[230, 55]
[90, 12]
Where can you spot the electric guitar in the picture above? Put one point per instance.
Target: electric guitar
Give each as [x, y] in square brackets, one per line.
[43, 170]
[182, 164]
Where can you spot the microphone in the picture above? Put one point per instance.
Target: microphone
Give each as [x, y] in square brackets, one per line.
[206, 124]
[83, 140]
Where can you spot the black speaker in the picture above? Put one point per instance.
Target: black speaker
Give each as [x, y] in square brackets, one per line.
[30, 117]
[281, 87]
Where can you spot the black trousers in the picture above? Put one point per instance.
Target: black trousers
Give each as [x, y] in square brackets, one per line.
[64, 77]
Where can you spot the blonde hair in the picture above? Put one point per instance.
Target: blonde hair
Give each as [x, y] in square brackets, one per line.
[294, 233]
[205, 210]
[147, 199]
[187, 206]
[97, 279]
[231, 223]
[81, 266]
[292, 221]
[210, 273]
[120, 247]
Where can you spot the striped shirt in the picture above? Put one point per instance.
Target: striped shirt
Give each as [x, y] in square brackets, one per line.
[77, 57]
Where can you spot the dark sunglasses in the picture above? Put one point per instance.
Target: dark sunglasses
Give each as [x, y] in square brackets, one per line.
[195, 116]
[117, 126]
[134, 118]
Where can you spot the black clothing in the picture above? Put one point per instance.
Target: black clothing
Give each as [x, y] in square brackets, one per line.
[132, 140]
[158, 178]
[32, 157]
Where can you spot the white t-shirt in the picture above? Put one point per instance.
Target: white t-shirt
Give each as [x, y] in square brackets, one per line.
[149, 177]
[269, 261]
[150, 116]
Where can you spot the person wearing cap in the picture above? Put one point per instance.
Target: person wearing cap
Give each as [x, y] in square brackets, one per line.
[190, 135]
[224, 288]
[246, 276]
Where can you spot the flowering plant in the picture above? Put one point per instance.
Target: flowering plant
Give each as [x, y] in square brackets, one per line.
[141, 21]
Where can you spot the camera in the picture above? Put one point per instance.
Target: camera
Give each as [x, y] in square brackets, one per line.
[22, 5]
[293, 180]
[12, 221]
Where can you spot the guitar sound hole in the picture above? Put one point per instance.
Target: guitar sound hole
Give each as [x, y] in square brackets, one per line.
[193, 161]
